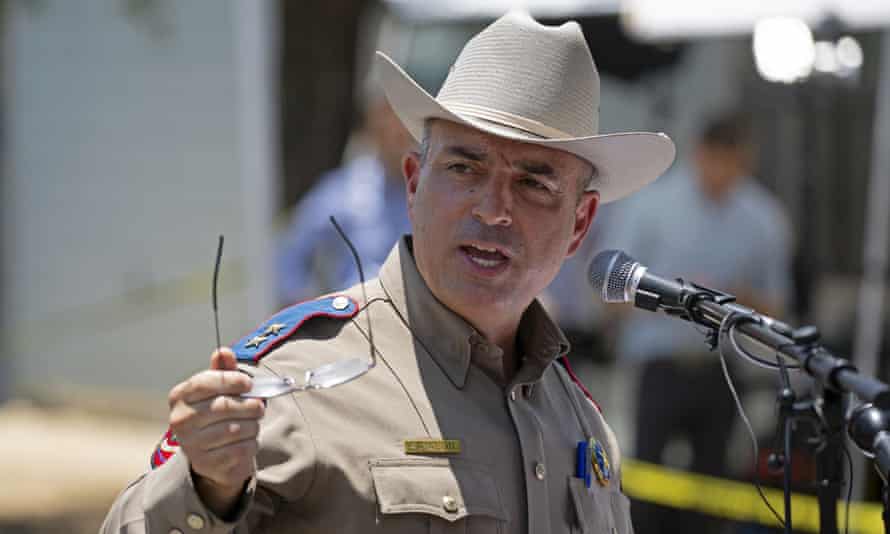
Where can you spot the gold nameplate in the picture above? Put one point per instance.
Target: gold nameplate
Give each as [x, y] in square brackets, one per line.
[432, 446]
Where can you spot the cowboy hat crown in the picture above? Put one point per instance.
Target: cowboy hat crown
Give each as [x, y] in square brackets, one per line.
[538, 84]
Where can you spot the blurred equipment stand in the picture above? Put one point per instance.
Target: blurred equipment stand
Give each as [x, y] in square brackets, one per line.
[318, 44]
[872, 290]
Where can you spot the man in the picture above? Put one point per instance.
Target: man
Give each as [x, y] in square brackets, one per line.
[715, 226]
[367, 197]
[466, 423]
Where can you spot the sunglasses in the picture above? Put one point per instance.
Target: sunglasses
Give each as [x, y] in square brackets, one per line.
[322, 377]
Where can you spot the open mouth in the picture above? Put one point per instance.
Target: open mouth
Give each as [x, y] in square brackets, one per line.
[488, 258]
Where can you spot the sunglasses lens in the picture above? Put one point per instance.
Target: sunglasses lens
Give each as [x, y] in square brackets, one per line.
[266, 387]
[334, 374]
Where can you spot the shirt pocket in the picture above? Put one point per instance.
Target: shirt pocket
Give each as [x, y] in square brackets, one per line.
[437, 495]
[621, 509]
[593, 508]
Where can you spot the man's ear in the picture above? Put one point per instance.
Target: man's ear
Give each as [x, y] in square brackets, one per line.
[584, 214]
[411, 171]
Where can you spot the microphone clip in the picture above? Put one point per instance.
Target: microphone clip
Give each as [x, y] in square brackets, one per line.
[685, 305]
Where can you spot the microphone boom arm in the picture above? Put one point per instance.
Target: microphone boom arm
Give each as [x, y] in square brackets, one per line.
[619, 278]
[710, 307]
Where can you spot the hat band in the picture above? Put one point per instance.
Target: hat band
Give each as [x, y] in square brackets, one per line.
[506, 119]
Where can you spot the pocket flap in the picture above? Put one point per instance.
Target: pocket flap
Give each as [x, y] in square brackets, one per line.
[593, 507]
[448, 488]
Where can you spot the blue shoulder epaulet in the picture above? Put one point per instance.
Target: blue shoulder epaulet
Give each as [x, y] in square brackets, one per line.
[276, 330]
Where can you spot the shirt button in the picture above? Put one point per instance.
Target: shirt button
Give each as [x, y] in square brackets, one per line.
[449, 503]
[540, 471]
[195, 521]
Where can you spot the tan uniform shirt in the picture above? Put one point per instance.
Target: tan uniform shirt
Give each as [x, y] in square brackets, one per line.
[335, 461]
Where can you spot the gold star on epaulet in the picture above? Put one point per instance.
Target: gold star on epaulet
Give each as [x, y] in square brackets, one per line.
[274, 329]
[256, 341]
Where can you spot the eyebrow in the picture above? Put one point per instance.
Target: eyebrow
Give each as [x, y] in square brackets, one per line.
[467, 152]
[477, 154]
[536, 167]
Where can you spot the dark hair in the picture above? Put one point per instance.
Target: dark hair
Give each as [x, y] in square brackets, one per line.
[727, 130]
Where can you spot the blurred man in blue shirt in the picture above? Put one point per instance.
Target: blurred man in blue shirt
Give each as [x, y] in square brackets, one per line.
[716, 226]
[367, 197]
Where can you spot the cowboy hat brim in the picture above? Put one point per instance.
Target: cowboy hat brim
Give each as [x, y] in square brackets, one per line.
[625, 161]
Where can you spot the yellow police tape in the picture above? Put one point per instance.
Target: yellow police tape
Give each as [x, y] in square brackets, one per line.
[737, 501]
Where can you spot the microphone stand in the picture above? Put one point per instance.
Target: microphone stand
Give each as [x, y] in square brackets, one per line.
[868, 425]
[791, 411]
[786, 399]
[868, 428]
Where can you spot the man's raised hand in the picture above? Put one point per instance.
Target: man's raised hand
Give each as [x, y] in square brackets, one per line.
[217, 430]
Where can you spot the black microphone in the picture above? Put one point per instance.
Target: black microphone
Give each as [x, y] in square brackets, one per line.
[617, 277]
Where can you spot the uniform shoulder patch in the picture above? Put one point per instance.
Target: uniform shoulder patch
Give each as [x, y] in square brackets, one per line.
[281, 326]
[166, 448]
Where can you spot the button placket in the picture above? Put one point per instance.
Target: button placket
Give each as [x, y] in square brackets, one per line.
[531, 444]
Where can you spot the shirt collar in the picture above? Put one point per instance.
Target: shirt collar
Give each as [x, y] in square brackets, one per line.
[540, 342]
[449, 338]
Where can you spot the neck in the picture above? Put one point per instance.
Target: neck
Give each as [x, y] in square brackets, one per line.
[716, 193]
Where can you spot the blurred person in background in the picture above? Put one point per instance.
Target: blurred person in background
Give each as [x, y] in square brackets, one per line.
[367, 197]
[471, 421]
[712, 224]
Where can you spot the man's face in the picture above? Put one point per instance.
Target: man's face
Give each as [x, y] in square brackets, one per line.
[493, 219]
[720, 168]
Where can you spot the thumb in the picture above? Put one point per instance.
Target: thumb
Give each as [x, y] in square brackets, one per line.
[223, 360]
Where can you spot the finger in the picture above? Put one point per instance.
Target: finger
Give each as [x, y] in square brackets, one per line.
[209, 384]
[227, 432]
[186, 417]
[223, 359]
[212, 411]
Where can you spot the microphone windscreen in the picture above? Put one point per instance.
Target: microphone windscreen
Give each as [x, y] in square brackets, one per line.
[609, 274]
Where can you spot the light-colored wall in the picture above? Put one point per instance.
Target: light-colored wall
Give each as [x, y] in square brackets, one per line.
[124, 163]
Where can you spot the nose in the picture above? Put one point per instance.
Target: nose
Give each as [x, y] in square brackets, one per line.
[494, 206]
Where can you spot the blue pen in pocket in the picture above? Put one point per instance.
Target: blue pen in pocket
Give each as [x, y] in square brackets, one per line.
[582, 462]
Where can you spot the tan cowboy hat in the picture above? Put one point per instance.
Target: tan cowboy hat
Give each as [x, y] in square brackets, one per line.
[525, 81]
